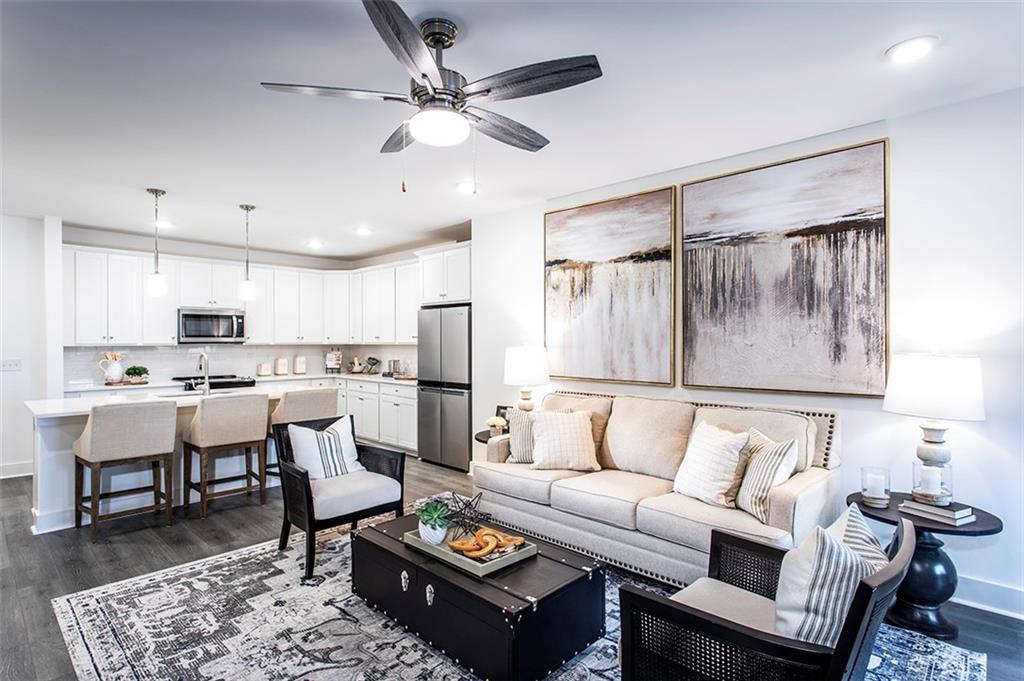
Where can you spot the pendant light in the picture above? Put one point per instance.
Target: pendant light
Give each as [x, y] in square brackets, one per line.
[247, 287]
[156, 282]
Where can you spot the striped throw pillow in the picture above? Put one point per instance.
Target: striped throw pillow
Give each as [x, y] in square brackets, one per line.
[711, 465]
[769, 464]
[520, 436]
[852, 529]
[326, 453]
[563, 441]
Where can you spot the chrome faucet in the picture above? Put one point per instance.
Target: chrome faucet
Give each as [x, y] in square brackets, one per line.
[204, 366]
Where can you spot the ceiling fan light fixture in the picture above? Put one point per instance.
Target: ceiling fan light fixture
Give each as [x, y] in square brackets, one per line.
[439, 127]
[467, 187]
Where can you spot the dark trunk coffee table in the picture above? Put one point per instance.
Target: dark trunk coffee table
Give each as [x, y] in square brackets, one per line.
[521, 622]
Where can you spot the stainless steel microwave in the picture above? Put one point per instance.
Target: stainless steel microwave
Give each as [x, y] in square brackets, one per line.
[210, 325]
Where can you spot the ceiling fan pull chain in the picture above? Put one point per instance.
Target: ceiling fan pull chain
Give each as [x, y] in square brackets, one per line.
[474, 160]
[405, 148]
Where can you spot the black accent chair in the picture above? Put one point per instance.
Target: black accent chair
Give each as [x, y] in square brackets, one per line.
[664, 639]
[298, 494]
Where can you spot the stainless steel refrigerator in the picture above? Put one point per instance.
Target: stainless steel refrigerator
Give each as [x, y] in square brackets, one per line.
[445, 385]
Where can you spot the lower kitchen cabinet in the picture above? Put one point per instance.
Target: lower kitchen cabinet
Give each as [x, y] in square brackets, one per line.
[398, 421]
[365, 408]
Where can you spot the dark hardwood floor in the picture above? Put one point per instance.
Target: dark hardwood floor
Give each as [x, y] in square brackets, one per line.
[34, 569]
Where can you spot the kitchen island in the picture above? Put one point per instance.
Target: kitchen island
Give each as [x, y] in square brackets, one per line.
[57, 423]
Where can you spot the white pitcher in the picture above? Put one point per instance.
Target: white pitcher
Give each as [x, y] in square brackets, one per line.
[113, 370]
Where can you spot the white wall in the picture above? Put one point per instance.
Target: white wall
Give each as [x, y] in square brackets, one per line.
[21, 337]
[956, 286]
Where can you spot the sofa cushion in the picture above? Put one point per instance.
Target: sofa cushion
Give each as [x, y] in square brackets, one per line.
[776, 424]
[599, 408]
[687, 521]
[646, 436]
[344, 494]
[730, 603]
[518, 480]
[608, 496]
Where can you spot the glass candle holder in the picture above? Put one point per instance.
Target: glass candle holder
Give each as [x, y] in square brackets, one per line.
[933, 484]
[874, 486]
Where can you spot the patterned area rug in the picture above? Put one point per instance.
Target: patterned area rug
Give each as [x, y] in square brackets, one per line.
[248, 614]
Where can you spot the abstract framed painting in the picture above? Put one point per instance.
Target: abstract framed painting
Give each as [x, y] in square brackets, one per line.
[785, 272]
[609, 289]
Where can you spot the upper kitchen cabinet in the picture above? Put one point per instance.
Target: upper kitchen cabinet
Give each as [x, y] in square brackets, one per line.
[311, 307]
[259, 311]
[298, 307]
[445, 274]
[355, 308]
[108, 298]
[336, 308]
[379, 305]
[160, 314]
[210, 285]
[407, 301]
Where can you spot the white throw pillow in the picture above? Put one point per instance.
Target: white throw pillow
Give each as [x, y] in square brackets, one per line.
[326, 453]
[712, 464]
[520, 436]
[769, 463]
[852, 529]
[563, 441]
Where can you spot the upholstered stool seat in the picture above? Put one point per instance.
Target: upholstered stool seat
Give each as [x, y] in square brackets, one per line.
[222, 424]
[120, 434]
[299, 405]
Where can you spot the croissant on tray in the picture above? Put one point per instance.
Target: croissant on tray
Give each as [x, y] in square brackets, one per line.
[484, 542]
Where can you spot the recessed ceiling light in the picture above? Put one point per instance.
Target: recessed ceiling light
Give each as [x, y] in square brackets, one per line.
[164, 224]
[315, 243]
[467, 187]
[912, 50]
[363, 231]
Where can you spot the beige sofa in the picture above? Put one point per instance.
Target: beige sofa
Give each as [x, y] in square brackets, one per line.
[627, 514]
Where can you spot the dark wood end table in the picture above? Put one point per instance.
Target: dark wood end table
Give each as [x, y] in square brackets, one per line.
[483, 436]
[932, 579]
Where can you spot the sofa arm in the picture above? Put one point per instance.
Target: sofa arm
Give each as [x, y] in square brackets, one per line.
[803, 502]
[499, 448]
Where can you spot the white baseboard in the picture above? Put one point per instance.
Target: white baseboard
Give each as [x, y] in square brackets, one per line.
[16, 469]
[1002, 599]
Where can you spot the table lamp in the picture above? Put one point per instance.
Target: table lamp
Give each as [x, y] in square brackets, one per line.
[938, 388]
[526, 366]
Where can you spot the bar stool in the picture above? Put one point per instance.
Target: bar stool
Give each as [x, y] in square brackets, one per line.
[224, 424]
[299, 405]
[121, 434]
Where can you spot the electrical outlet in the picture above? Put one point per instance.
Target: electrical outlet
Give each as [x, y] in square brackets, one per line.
[10, 365]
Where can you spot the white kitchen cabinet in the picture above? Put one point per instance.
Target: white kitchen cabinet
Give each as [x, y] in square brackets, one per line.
[407, 427]
[379, 305]
[259, 312]
[68, 298]
[398, 421]
[342, 399]
[364, 408]
[224, 285]
[336, 308]
[311, 307]
[90, 297]
[355, 311]
[286, 306]
[445, 276]
[407, 302]
[160, 313]
[124, 299]
[205, 284]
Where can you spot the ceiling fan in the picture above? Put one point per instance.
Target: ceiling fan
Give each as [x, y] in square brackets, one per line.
[446, 102]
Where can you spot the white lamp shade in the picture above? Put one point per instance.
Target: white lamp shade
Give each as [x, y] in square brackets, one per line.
[156, 285]
[943, 387]
[247, 289]
[526, 365]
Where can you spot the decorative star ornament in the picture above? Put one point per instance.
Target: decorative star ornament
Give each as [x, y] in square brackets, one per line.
[465, 513]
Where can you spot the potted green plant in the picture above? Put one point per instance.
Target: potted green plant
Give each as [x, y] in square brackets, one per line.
[137, 374]
[435, 516]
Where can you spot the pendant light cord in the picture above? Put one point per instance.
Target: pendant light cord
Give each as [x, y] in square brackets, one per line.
[248, 208]
[157, 193]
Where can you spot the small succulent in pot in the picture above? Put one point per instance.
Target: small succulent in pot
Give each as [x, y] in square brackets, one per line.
[435, 516]
[137, 374]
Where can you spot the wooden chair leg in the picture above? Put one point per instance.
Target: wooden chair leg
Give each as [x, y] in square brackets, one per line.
[94, 509]
[169, 488]
[262, 448]
[286, 528]
[79, 486]
[248, 451]
[186, 483]
[310, 552]
[156, 486]
[204, 475]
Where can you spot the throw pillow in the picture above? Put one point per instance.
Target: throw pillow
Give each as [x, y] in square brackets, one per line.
[852, 529]
[326, 453]
[520, 436]
[817, 581]
[599, 407]
[712, 462]
[563, 441]
[769, 463]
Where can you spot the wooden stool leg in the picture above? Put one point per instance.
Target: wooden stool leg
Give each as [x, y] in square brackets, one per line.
[79, 486]
[169, 488]
[248, 469]
[156, 486]
[204, 475]
[262, 448]
[94, 510]
[186, 483]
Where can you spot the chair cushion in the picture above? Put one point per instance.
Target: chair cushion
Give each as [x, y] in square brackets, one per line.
[518, 480]
[689, 522]
[776, 424]
[729, 602]
[563, 441]
[646, 436]
[599, 407]
[713, 466]
[345, 494]
[326, 453]
[608, 496]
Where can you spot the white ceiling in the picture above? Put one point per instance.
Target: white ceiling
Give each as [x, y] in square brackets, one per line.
[101, 100]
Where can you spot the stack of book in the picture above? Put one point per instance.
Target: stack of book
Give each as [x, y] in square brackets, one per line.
[955, 514]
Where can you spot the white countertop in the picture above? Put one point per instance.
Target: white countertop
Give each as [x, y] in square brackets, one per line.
[166, 383]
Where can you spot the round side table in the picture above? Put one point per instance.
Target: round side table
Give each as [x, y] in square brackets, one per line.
[482, 436]
[931, 579]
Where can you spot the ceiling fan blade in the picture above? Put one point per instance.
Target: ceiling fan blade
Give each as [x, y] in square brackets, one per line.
[403, 39]
[534, 79]
[505, 129]
[398, 141]
[323, 91]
